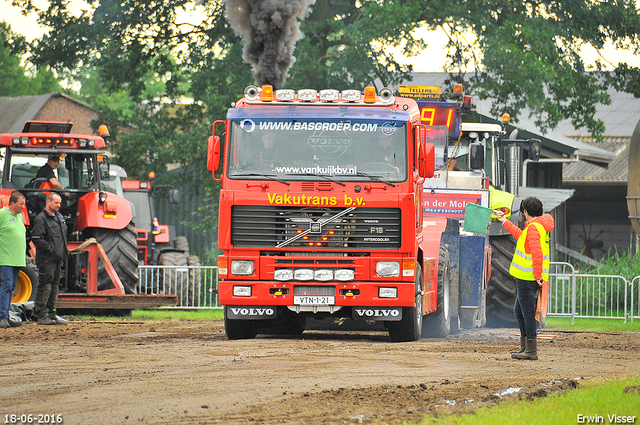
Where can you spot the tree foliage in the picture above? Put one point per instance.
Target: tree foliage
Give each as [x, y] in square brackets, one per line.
[15, 79]
[521, 55]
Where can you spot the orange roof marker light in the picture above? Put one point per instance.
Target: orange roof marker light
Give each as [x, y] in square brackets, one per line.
[369, 94]
[267, 93]
[506, 117]
[457, 91]
[103, 131]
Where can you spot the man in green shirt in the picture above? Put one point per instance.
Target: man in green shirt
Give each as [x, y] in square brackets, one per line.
[13, 248]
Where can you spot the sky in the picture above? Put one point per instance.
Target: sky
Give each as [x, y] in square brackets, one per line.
[430, 60]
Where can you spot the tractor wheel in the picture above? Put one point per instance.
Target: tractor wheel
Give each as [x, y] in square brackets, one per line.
[238, 329]
[121, 248]
[27, 284]
[501, 288]
[175, 280]
[181, 243]
[195, 281]
[410, 327]
[438, 323]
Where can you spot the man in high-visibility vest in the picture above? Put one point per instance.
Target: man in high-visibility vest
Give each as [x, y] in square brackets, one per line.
[530, 267]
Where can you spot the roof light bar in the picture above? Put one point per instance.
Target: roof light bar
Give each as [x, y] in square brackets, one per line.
[351, 95]
[307, 95]
[329, 95]
[285, 95]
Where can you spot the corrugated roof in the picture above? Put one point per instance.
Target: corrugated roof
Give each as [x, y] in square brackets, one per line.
[15, 111]
[617, 172]
[555, 141]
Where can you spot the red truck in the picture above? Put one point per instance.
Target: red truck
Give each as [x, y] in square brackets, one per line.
[321, 214]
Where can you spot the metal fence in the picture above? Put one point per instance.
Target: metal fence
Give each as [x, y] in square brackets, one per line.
[195, 286]
[574, 295]
[571, 294]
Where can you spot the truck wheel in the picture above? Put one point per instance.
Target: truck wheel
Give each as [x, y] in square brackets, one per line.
[501, 288]
[121, 248]
[238, 329]
[175, 281]
[410, 327]
[438, 323]
[27, 284]
[287, 323]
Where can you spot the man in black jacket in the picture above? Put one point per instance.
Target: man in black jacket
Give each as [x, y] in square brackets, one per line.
[50, 238]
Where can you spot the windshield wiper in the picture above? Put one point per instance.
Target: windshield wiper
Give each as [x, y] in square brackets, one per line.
[318, 175]
[269, 176]
[371, 177]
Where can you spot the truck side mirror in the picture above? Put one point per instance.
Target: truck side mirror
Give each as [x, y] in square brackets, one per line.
[534, 149]
[174, 196]
[476, 156]
[213, 154]
[427, 160]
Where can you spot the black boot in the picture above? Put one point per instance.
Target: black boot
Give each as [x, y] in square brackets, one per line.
[522, 345]
[530, 352]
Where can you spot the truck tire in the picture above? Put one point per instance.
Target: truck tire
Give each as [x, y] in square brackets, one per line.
[438, 323]
[410, 327]
[238, 329]
[175, 282]
[501, 288]
[27, 284]
[121, 248]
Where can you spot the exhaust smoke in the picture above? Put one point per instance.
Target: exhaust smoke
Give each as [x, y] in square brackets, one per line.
[269, 30]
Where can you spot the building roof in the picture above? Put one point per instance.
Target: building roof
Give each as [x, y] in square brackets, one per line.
[15, 111]
[555, 144]
[617, 172]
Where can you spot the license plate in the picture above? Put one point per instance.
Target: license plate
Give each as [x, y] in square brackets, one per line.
[314, 300]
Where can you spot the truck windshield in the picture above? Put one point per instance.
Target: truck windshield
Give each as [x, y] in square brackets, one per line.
[310, 150]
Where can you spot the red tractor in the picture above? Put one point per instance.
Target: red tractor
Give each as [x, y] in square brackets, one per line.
[90, 211]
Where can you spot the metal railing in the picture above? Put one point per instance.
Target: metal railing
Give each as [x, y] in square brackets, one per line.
[574, 295]
[571, 294]
[195, 286]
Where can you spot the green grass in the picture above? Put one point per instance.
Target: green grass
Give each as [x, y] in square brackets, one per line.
[597, 325]
[165, 314]
[600, 398]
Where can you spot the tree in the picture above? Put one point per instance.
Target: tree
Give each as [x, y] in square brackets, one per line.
[15, 80]
[519, 54]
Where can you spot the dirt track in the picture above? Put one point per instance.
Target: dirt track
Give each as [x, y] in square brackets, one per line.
[187, 372]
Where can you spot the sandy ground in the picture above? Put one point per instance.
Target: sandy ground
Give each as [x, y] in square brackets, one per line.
[187, 372]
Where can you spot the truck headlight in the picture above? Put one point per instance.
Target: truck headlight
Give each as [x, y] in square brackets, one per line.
[324, 275]
[387, 292]
[387, 268]
[242, 291]
[283, 274]
[241, 267]
[303, 274]
[345, 274]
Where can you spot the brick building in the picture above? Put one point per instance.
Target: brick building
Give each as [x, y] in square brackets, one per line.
[15, 111]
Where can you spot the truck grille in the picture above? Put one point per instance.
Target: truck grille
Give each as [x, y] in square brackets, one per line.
[361, 228]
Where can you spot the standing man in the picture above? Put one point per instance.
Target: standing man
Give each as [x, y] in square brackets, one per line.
[13, 248]
[46, 171]
[50, 238]
[530, 267]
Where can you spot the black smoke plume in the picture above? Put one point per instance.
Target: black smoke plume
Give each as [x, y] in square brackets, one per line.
[269, 29]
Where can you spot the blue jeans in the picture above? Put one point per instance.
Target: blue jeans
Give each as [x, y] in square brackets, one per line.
[9, 275]
[525, 307]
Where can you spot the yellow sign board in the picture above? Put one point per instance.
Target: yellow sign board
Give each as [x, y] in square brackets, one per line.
[420, 92]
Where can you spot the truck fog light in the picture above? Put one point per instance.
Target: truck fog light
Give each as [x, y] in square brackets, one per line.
[324, 275]
[387, 268]
[242, 291]
[303, 274]
[241, 267]
[283, 274]
[345, 274]
[387, 292]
